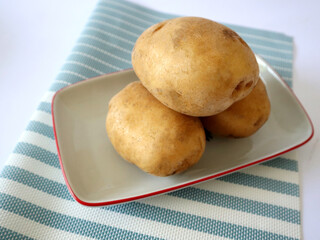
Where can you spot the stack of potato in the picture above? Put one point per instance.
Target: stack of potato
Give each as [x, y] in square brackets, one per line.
[194, 74]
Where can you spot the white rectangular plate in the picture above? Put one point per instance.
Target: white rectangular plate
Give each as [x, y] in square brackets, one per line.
[96, 175]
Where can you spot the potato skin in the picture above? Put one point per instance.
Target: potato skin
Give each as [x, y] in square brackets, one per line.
[244, 117]
[146, 133]
[194, 65]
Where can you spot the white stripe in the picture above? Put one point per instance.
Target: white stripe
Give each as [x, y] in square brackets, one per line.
[273, 173]
[33, 229]
[149, 22]
[250, 193]
[265, 38]
[97, 215]
[221, 187]
[61, 81]
[115, 27]
[276, 58]
[35, 166]
[270, 48]
[120, 20]
[96, 59]
[110, 34]
[85, 66]
[74, 73]
[285, 69]
[105, 42]
[126, 14]
[39, 140]
[135, 10]
[47, 97]
[39, 168]
[231, 189]
[251, 44]
[224, 214]
[42, 117]
[103, 51]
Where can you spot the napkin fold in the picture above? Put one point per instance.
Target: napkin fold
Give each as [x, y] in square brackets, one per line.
[261, 202]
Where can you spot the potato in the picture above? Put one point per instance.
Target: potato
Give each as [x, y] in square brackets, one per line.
[195, 66]
[146, 133]
[244, 117]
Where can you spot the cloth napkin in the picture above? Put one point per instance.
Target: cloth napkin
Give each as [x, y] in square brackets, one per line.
[261, 202]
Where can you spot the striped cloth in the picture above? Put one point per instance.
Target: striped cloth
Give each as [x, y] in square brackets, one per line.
[261, 202]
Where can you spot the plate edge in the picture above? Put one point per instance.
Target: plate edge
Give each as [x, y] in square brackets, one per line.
[124, 200]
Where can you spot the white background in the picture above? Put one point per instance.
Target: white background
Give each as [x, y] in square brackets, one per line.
[37, 36]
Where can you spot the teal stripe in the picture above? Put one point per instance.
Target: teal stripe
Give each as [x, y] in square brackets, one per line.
[258, 50]
[262, 183]
[92, 62]
[56, 86]
[124, 15]
[64, 222]
[137, 19]
[278, 63]
[140, 209]
[266, 43]
[239, 204]
[193, 222]
[125, 26]
[152, 19]
[289, 83]
[38, 153]
[125, 23]
[285, 73]
[35, 181]
[45, 107]
[282, 163]
[70, 78]
[113, 30]
[137, 14]
[259, 32]
[237, 178]
[101, 56]
[276, 66]
[208, 197]
[41, 128]
[6, 233]
[114, 56]
[282, 72]
[106, 35]
[138, 7]
[254, 207]
[274, 53]
[124, 52]
[144, 211]
[250, 39]
[163, 16]
[80, 69]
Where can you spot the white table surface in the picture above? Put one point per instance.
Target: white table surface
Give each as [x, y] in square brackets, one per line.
[37, 36]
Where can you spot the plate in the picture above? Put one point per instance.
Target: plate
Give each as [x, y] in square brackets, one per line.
[96, 175]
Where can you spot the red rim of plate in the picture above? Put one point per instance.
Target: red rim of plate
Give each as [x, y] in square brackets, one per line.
[124, 200]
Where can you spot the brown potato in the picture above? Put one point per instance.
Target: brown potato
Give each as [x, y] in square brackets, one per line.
[146, 133]
[195, 66]
[244, 117]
